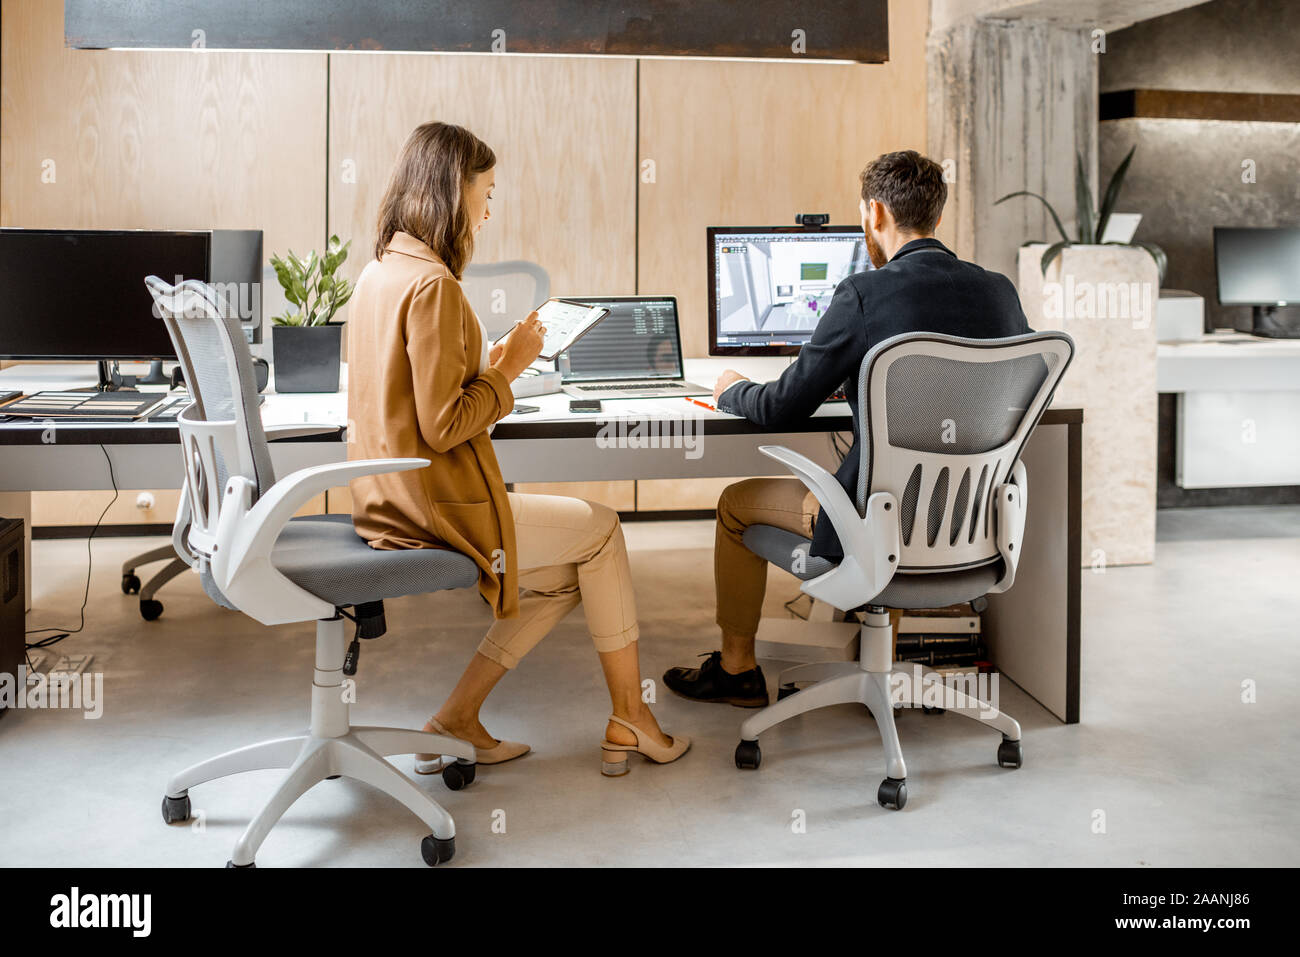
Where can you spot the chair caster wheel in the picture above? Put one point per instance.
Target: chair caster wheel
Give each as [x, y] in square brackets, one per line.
[926, 709]
[784, 691]
[748, 755]
[1009, 754]
[458, 776]
[437, 852]
[892, 793]
[150, 609]
[130, 583]
[242, 867]
[175, 810]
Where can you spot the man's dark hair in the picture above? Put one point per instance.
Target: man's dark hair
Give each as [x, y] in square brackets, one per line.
[910, 185]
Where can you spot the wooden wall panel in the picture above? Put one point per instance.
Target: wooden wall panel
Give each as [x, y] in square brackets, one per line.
[84, 508]
[158, 139]
[103, 139]
[744, 143]
[563, 129]
[653, 495]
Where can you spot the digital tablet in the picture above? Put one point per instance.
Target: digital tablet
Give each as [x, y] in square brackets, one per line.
[566, 322]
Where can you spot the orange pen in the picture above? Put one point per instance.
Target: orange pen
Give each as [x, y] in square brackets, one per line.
[702, 405]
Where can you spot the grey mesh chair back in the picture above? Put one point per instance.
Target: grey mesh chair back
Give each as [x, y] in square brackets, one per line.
[944, 422]
[221, 430]
[503, 293]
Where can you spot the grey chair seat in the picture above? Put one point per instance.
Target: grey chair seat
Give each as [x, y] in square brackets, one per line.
[929, 590]
[324, 555]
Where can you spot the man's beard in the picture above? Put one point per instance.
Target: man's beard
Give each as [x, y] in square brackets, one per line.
[877, 255]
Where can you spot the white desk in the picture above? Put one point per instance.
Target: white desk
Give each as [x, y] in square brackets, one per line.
[1033, 631]
[1238, 409]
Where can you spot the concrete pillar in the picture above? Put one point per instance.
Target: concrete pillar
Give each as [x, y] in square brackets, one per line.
[1012, 99]
[1011, 102]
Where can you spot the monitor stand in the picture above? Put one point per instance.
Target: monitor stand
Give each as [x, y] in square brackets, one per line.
[112, 380]
[155, 375]
[1271, 322]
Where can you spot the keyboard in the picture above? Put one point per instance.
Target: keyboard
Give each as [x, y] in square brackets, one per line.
[629, 386]
[170, 407]
[121, 406]
[836, 396]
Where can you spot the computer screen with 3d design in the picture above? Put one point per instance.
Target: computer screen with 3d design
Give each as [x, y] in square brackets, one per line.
[770, 287]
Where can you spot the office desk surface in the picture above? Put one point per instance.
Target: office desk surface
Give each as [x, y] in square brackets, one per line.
[325, 409]
[331, 408]
[552, 444]
[1228, 362]
[1034, 630]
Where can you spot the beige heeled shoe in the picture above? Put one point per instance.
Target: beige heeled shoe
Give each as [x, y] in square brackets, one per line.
[613, 757]
[503, 751]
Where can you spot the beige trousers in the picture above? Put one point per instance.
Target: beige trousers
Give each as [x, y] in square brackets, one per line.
[740, 576]
[568, 551]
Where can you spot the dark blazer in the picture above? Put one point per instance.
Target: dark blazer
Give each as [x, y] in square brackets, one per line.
[924, 288]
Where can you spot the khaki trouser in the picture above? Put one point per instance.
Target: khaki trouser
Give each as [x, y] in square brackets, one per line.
[739, 575]
[568, 551]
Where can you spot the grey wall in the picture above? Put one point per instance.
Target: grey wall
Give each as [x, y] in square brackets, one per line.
[1235, 46]
[1186, 176]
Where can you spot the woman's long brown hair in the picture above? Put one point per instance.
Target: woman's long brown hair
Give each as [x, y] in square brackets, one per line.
[425, 194]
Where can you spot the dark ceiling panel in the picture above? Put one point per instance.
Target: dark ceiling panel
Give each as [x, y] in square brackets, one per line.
[832, 29]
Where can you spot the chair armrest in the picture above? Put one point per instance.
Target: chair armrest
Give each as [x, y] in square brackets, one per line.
[871, 544]
[275, 433]
[180, 527]
[1011, 503]
[246, 535]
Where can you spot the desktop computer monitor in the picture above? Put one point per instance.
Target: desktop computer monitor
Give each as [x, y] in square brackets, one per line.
[1260, 267]
[769, 286]
[80, 293]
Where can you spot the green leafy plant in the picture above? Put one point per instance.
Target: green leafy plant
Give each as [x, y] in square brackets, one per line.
[1092, 224]
[310, 284]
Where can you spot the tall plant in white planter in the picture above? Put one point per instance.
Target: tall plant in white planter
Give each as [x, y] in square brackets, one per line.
[1105, 296]
[1091, 226]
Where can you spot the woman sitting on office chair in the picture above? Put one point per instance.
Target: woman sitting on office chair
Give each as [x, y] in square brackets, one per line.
[424, 384]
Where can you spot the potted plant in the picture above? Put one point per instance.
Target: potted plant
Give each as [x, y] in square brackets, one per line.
[1091, 227]
[306, 346]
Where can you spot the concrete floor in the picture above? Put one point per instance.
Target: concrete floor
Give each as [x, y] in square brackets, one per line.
[1185, 773]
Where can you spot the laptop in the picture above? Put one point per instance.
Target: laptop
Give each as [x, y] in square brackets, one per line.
[635, 352]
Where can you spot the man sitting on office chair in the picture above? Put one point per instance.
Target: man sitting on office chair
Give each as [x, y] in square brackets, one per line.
[918, 285]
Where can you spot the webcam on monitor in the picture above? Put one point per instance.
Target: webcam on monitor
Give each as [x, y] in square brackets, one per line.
[812, 219]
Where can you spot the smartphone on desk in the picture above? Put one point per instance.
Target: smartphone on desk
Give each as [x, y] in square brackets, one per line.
[584, 405]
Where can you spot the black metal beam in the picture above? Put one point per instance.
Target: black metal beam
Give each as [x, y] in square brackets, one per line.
[830, 29]
[1200, 105]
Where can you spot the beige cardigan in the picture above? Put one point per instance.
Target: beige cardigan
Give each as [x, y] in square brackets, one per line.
[415, 390]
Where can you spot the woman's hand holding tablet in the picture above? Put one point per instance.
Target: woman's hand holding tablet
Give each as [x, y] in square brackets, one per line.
[564, 322]
[517, 349]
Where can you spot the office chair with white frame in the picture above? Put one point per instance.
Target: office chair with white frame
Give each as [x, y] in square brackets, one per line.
[237, 528]
[939, 520]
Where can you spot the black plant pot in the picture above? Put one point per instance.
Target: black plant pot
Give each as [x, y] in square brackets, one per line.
[307, 357]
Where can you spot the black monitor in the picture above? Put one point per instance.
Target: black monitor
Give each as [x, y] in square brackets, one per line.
[80, 293]
[770, 285]
[1260, 267]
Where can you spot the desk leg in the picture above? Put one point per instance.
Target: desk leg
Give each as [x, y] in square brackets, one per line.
[1033, 630]
[19, 505]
